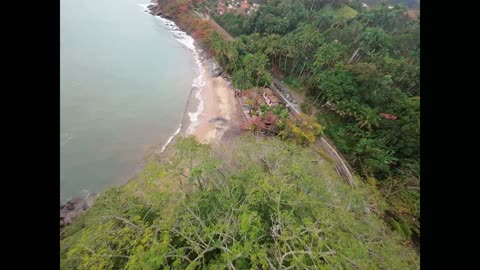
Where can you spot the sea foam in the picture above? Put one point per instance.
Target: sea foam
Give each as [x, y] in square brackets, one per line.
[197, 85]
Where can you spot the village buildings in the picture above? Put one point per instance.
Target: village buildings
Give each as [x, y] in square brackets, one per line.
[235, 6]
[270, 98]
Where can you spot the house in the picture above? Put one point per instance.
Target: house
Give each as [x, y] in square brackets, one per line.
[221, 9]
[270, 98]
[259, 101]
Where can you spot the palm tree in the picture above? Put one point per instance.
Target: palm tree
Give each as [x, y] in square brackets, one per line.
[368, 117]
[232, 56]
[241, 79]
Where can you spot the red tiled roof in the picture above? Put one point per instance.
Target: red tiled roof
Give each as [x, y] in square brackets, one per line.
[270, 118]
[388, 116]
[267, 91]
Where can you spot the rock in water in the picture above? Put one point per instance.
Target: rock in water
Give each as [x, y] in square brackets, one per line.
[70, 206]
[70, 210]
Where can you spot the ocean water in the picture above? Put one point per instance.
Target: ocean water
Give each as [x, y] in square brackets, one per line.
[125, 80]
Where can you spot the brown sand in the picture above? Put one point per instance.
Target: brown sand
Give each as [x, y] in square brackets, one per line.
[221, 111]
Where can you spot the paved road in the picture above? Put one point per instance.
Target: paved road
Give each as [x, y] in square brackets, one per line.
[215, 25]
[221, 30]
[276, 81]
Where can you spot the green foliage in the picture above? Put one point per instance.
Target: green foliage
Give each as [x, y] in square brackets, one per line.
[293, 82]
[403, 204]
[375, 40]
[264, 204]
[299, 47]
[256, 66]
[345, 12]
[328, 55]
[236, 25]
[303, 130]
[372, 156]
[306, 108]
[249, 69]
[241, 80]
[400, 227]
[279, 18]
[388, 19]
[324, 19]
[366, 62]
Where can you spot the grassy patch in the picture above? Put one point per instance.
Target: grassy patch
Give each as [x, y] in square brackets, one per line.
[306, 108]
[325, 156]
[294, 83]
[345, 13]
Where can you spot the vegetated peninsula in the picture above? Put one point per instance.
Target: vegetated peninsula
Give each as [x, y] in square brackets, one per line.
[306, 155]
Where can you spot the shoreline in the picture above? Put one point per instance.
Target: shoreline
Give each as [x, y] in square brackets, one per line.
[212, 114]
[216, 114]
[194, 105]
[221, 113]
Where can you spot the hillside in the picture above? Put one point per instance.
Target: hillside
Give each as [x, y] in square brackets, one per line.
[254, 204]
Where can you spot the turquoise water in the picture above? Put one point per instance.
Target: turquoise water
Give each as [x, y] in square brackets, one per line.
[124, 83]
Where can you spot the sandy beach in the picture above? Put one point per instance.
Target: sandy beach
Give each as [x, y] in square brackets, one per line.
[222, 116]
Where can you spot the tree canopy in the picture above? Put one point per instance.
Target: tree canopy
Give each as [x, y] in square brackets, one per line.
[362, 62]
[254, 204]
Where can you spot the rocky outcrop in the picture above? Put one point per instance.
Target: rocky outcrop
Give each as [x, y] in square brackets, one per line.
[154, 9]
[72, 208]
[214, 68]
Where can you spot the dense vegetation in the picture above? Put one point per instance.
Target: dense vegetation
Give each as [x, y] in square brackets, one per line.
[256, 204]
[360, 71]
[364, 66]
